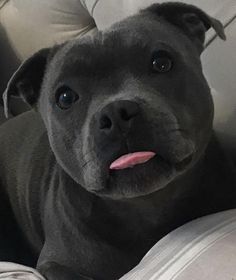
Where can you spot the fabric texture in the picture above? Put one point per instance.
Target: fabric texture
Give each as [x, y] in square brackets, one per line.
[31, 24]
[90, 5]
[2, 3]
[11, 271]
[202, 249]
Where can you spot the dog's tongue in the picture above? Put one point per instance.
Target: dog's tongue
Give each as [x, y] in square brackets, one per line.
[132, 159]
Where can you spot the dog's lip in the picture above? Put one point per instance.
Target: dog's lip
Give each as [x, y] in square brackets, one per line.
[186, 161]
[131, 159]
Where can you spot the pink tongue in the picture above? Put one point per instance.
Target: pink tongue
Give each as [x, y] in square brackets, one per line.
[132, 159]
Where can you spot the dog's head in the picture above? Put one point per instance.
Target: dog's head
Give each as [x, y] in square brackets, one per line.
[132, 96]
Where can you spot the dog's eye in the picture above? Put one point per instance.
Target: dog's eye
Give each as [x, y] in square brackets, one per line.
[161, 62]
[65, 97]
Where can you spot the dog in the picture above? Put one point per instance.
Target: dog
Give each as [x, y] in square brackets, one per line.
[118, 149]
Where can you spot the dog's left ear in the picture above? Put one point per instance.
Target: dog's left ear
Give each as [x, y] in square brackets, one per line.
[190, 19]
[26, 81]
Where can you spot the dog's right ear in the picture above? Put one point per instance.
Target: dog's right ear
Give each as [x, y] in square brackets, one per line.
[189, 19]
[26, 81]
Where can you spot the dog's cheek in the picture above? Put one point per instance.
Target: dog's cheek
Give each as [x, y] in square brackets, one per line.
[196, 108]
[61, 137]
[93, 167]
[203, 117]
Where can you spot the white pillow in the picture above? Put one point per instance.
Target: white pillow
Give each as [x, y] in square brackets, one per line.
[11, 271]
[202, 249]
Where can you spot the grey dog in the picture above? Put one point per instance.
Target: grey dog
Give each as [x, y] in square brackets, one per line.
[118, 149]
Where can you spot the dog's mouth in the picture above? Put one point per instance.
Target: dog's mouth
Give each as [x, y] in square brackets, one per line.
[131, 169]
[132, 159]
[140, 173]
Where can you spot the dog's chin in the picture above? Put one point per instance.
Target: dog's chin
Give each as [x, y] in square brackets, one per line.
[140, 180]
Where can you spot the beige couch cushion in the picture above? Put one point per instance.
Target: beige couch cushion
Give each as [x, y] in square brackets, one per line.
[33, 24]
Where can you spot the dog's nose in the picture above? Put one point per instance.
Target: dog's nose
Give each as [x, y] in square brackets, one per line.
[118, 114]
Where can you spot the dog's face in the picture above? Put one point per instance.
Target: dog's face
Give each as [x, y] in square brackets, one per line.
[136, 89]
